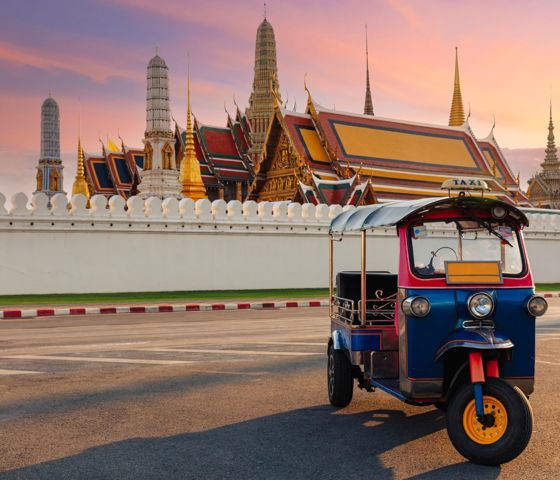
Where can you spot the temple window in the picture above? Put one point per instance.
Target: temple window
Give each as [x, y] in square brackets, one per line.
[167, 153]
[149, 157]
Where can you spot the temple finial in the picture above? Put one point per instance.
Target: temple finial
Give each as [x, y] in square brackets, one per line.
[551, 161]
[192, 185]
[264, 10]
[80, 185]
[457, 113]
[368, 104]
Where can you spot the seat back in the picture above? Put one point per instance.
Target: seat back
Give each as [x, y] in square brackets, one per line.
[381, 290]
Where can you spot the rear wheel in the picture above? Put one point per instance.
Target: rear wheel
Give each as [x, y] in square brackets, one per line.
[507, 427]
[340, 381]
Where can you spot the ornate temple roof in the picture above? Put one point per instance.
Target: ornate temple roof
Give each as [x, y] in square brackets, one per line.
[351, 191]
[407, 159]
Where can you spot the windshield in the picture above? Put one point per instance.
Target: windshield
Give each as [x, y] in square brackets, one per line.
[434, 243]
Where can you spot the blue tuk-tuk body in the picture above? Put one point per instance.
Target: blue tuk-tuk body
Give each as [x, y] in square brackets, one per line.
[454, 327]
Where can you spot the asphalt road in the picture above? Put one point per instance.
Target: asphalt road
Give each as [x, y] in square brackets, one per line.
[227, 394]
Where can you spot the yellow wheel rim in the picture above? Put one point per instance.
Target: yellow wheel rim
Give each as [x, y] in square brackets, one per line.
[479, 433]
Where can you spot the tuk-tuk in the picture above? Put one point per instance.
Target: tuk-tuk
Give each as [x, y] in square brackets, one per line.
[454, 327]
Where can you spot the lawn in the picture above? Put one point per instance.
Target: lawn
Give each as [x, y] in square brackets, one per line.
[148, 297]
[547, 287]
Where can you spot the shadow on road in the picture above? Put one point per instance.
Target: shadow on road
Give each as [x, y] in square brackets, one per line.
[456, 471]
[308, 443]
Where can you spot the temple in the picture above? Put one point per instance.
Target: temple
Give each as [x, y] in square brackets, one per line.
[324, 155]
[49, 170]
[269, 153]
[544, 187]
[222, 154]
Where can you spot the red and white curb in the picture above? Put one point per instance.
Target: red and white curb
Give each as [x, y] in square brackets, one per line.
[189, 307]
[551, 294]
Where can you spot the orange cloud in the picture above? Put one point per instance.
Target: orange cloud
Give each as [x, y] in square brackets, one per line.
[73, 61]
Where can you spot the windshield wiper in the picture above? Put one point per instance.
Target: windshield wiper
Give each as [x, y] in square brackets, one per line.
[488, 227]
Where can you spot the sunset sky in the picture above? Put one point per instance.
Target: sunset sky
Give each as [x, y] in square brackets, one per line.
[93, 55]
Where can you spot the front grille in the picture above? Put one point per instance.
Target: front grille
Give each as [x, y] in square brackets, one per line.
[475, 324]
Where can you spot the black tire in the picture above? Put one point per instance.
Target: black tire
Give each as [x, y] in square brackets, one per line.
[514, 438]
[340, 382]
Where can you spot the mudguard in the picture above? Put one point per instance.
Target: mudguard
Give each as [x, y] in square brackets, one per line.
[479, 339]
[338, 340]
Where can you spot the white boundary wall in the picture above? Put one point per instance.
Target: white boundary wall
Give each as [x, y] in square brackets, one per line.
[161, 246]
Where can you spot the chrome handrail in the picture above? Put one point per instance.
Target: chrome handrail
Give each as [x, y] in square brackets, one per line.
[379, 310]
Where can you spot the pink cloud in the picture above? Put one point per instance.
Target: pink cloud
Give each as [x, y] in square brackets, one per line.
[406, 10]
[97, 69]
[506, 70]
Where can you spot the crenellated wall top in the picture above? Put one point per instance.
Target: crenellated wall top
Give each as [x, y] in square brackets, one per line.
[155, 214]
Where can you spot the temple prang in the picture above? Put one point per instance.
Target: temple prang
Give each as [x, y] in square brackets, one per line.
[266, 87]
[160, 174]
[49, 175]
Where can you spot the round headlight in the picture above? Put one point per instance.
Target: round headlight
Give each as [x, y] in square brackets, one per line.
[499, 212]
[417, 306]
[480, 305]
[537, 305]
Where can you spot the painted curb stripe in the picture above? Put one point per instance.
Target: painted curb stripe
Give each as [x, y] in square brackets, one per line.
[189, 307]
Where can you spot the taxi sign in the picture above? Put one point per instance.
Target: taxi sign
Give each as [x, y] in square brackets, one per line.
[464, 184]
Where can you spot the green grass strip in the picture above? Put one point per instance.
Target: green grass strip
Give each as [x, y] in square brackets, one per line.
[131, 297]
[547, 287]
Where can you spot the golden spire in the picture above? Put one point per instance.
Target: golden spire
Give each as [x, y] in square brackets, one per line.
[457, 114]
[80, 183]
[368, 104]
[190, 177]
[551, 162]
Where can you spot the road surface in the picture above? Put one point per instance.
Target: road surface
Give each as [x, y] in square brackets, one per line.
[225, 394]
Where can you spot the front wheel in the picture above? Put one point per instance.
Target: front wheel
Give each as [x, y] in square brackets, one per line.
[507, 428]
[340, 381]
